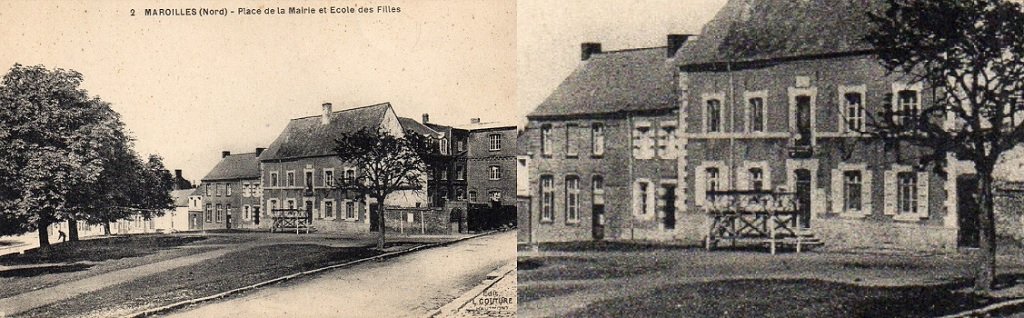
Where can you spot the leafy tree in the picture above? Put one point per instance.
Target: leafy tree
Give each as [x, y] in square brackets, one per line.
[48, 138]
[971, 53]
[386, 163]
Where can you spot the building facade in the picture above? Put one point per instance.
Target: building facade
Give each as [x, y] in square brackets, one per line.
[491, 163]
[447, 182]
[231, 192]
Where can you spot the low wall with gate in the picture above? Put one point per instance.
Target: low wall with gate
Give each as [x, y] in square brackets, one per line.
[415, 221]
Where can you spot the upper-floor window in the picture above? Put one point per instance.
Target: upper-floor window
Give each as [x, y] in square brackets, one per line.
[545, 140]
[227, 189]
[444, 172]
[570, 141]
[444, 146]
[472, 196]
[711, 175]
[547, 198]
[853, 110]
[329, 177]
[209, 191]
[460, 145]
[667, 147]
[572, 199]
[309, 179]
[597, 138]
[290, 178]
[597, 189]
[643, 140]
[713, 115]
[908, 106]
[757, 114]
[495, 172]
[273, 179]
[350, 175]
[756, 179]
[494, 140]
[460, 173]
[220, 189]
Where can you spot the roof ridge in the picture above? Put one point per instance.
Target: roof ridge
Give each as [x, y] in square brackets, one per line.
[634, 49]
[345, 110]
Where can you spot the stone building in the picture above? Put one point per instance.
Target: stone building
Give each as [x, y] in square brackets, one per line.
[447, 182]
[231, 192]
[491, 162]
[602, 149]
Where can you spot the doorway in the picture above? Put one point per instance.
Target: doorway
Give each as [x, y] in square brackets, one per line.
[597, 222]
[803, 196]
[967, 211]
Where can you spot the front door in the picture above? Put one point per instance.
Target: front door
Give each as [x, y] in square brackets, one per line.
[309, 212]
[803, 196]
[967, 211]
[227, 220]
[597, 222]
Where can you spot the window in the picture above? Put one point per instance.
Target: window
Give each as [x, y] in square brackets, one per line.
[643, 141]
[545, 140]
[290, 204]
[444, 173]
[227, 189]
[667, 141]
[570, 142]
[756, 179]
[273, 179]
[246, 191]
[460, 173]
[547, 198]
[461, 144]
[597, 139]
[668, 205]
[852, 181]
[220, 212]
[350, 175]
[494, 141]
[572, 199]
[495, 172]
[220, 189]
[597, 189]
[309, 179]
[711, 175]
[350, 210]
[290, 178]
[907, 106]
[329, 209]
[209, 211]
[208, 190]
[444, 146]
[472, 196]
[256, 214]
[757, 116]
[906, 193]
[329, 177]
[272, 205]
[643, 197]
[460, 194]
[227, 210]
[246, 212]
[714, 115]
[495, 195]
[854, 111]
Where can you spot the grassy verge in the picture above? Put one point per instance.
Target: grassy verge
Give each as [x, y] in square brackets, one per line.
[234, 270]
[98, 250]
[787, 298]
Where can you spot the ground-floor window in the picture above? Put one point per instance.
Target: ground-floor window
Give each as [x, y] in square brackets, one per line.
[572, 199]
[246, 212]
[906, 195]
[220, 213]
[350, 210]
[852, 189]
[329, 209]
[209, 213]
[547, 198]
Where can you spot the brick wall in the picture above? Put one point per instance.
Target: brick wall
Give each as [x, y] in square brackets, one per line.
[481, 158]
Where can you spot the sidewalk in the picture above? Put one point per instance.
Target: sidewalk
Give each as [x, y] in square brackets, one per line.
[497, 298]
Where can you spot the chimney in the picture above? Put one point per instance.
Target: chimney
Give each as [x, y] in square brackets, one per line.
[474, 120]
[225, 154]
[259, 151]
[589, 48]
[326, 118]
[177, 180]
[177, 174]
[675, 42]
[426, 118]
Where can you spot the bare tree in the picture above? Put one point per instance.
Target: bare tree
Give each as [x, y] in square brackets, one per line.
[971, 54]
[387, 163]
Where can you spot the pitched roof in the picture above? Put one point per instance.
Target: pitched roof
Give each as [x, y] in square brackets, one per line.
[180, 197]
[749, 30]
[236, 166]
[415, 126]
[614, 81]
[308, 137]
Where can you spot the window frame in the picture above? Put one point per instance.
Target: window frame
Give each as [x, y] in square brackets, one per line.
[749, 112]
[845, 107]
[547, 198]
[329, 214]
[572, 199]
[494, 172]
[328, 180]
[546, 145]
[289, 178]
[275, 179]
[597, 135]
[571, 143]
[494, 142]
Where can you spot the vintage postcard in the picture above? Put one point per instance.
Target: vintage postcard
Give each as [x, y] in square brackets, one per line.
[258, 158]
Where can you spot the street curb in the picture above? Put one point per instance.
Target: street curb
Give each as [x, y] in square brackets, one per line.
[166, 308]
[455, 305]
[981, 312]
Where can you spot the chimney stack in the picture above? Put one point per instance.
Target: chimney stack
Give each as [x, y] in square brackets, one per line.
[675, 42]
[426, 118]
[326, 118]
[225, 154]
[177, 174]
[474, 120]
[259, 151]
[589, 48]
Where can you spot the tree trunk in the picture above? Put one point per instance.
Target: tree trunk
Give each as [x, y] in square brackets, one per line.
[44, 237]
[986, 258]
[381, 225]
[106, 228]
[72, 230]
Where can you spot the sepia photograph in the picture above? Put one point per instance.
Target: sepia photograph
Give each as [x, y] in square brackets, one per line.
[771, 158]
[258, 158]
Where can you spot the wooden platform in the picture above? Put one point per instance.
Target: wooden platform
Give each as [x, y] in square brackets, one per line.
[287, 219]
[772, 218]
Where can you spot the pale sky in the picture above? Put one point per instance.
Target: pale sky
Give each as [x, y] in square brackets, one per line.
[188, 87]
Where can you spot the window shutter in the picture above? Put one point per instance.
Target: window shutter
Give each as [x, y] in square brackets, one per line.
[922, 194]
[890, 192]
[837, 191]
[698, 186]
[865, 192]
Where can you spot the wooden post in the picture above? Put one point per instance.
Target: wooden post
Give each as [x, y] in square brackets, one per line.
[771, 240]
[423, 225]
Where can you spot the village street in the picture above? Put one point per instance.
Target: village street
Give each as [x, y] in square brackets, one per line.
[407, 286]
